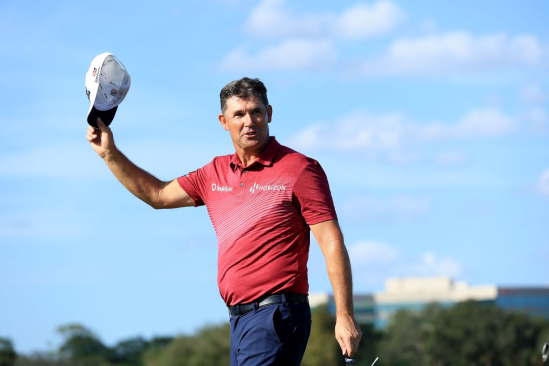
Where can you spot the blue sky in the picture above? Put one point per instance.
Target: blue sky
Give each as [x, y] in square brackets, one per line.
[430, 119]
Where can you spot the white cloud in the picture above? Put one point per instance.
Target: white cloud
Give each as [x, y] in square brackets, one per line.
[538, 120]
[543, 183]
[358, 130]
[486, 122]
[455, 53]
[369, 252]
[373, 262]
[293, 54]
[273, 19]
[431, 265]
[363, 21]
[489, 122]
[532, 94]
[393, 208]
[391, 133]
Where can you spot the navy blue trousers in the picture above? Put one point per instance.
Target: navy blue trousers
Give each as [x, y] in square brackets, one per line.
[275, 334]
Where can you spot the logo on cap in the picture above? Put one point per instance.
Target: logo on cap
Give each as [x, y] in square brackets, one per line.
[114, 91]
[94, 71]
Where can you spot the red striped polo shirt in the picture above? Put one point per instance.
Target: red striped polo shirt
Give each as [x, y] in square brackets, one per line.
[261, 215]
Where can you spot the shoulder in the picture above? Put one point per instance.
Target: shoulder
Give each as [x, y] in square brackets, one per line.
[218, 162]
[293, 157]
[288, 153]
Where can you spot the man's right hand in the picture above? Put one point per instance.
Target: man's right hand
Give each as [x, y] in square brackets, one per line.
[101, 141]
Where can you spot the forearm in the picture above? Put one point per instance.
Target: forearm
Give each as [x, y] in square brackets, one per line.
[140, 183]
[339, 271]
[330, 239]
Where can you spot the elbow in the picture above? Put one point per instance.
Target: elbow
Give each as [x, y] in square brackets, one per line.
[155, 200]
[156, 205]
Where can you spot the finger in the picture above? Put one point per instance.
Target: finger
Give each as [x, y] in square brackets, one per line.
[357, 340]
[91, 135]
[349, 346]
[90, 131]
[342, 346]
[101, 125]
[346, 348]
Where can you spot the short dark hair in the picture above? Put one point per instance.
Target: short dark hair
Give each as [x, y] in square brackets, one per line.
[243, 88]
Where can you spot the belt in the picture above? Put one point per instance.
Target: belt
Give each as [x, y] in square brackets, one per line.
[242, 309]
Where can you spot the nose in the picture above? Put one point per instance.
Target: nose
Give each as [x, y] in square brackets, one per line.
[248, 120]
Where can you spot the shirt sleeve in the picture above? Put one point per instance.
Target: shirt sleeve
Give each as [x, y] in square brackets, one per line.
[193, 184]
[312, 194]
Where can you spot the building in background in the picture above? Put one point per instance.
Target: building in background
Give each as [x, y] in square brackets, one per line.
[416, 293]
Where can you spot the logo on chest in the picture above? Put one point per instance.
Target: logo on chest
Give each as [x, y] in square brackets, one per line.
[218, 188]
[268, 188]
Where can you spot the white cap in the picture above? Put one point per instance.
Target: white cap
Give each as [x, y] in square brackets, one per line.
[107, 83]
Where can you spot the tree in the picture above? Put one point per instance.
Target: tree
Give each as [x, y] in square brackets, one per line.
[210, 346]
[82, 347]
[368, 347]
[41, 359]
[322, 348]
[404, 341]
[485, 334]
[468, 333]
[129, 352]
[7, 353]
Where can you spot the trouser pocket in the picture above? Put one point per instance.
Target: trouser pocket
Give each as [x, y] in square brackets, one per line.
[282, 322]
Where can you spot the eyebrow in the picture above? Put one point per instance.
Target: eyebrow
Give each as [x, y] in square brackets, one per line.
[237, 111]
[257, 107]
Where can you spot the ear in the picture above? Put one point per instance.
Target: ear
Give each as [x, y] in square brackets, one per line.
[223, 121]
[270, 112]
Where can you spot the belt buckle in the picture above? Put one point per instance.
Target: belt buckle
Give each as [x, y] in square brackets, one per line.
[234, 310]
[237, 310]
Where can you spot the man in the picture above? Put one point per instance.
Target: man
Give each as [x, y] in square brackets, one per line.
[263, 202]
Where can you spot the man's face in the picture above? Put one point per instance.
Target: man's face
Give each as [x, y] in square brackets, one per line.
[247, 120]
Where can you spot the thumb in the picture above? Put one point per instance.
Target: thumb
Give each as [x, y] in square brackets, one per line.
[101, 125]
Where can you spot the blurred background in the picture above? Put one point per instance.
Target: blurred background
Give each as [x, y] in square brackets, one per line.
[429, 118]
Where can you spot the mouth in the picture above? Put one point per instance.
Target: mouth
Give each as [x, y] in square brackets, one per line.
[251, 134]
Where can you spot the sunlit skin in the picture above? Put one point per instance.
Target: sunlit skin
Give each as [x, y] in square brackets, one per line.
[247, 120]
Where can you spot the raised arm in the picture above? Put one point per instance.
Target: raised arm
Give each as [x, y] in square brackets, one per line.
[330, 239]
[156, 193]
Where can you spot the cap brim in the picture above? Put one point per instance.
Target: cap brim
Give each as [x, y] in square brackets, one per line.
[106, 116]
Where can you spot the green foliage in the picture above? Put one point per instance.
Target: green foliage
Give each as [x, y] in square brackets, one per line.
[210, 346]
[468, 333]
[81, 347]
[41, 359]
[403, 343]
[128, 352]
[368, 347]
[322, 348]
[7, 353]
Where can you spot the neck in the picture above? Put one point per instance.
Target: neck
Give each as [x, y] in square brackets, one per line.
[247, 158]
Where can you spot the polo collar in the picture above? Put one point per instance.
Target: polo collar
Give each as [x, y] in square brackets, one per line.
[265, 158]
